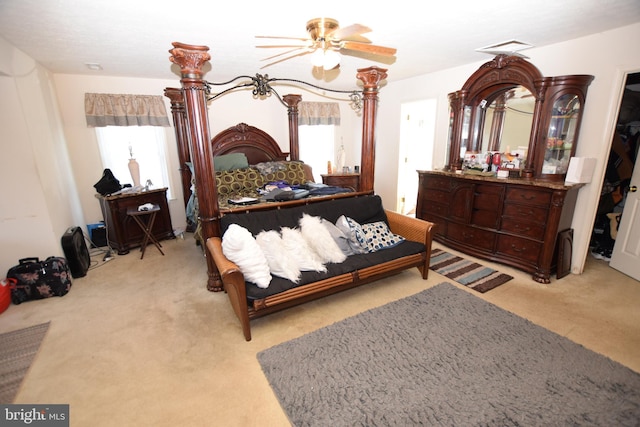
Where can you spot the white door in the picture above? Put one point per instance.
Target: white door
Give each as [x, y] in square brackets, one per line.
[417, 132]
[626, 251]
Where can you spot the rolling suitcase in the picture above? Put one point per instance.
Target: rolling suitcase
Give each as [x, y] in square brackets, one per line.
[37, 279]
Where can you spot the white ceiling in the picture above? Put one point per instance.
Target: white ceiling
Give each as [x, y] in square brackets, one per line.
[132, 37]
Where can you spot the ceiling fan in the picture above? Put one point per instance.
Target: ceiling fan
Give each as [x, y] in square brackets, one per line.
[326, 39]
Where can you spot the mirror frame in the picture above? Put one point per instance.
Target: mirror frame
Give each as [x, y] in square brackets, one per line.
[502, 73]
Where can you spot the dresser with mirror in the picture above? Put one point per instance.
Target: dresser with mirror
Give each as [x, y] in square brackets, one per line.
[502, 196]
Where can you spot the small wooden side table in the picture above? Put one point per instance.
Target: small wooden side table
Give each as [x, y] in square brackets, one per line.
[345, 180]
[146, 227]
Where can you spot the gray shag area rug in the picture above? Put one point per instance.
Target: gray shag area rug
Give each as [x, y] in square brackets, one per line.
[445, 357]
[17, 351]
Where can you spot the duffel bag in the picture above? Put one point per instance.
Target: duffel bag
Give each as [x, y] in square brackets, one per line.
[37, 279]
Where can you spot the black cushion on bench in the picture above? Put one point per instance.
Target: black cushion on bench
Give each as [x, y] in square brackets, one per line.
[363, 209]
[352, 263]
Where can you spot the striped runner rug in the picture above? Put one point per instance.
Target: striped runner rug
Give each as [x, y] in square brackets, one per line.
[17, 351]
[465, 272]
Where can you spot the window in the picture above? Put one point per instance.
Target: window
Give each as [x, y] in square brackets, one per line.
[316, 144]
[148, 147]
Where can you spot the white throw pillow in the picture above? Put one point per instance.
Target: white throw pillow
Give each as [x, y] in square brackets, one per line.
[298, 249]
[320, 240]
[240, 247]
[280, 263]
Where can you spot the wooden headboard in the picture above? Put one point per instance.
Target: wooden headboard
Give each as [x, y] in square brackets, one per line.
[256, 144]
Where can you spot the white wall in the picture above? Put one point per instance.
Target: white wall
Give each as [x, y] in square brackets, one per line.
[82, 142]
[608, 56]
[39, 200]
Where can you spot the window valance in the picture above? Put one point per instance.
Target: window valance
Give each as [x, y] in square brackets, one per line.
[318, 113]
[104, 109]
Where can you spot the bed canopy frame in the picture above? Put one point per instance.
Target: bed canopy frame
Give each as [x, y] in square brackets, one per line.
[191, 122]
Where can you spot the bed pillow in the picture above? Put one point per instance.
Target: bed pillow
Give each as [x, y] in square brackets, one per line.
[227, 162]
[320, 240]
[300, 251]
[280, 263]
[293, 173]
[240, 247]
[238, 182]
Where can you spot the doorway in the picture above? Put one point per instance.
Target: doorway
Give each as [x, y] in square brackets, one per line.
[612, 238]
[417, 133]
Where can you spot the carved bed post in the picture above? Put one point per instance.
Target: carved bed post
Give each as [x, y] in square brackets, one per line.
[292, 102]
[457, 102]
[191, 58]
[180, 125]
[371, 77]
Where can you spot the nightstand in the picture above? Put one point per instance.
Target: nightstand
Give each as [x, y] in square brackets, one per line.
[345, 180]
[122, 231]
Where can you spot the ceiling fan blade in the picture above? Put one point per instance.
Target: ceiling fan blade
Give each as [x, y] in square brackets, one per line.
[304, 52]
[368, 48]
[283, 38]
[351, 30]
[356, 38]
[284, 53]
[281, 45]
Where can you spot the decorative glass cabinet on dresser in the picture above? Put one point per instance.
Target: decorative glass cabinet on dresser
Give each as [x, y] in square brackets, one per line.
[502, 195]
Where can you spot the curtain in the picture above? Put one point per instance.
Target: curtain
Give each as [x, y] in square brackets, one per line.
[318, 113]
[104, 109]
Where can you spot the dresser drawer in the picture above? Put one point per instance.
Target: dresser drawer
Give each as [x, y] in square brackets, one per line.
[487, 201]
[526, 212]
[472, 236]
[517, 247]
[437, 196]
[484, 218]
[437, 182]
[523, 228]
[528, 196]
[437, 209]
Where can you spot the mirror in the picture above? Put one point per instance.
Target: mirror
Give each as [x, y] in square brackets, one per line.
[501, 123]
[508, 122]
[507, 115]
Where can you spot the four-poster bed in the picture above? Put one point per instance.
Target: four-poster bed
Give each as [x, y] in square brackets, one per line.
[379, 243]
[189, 111]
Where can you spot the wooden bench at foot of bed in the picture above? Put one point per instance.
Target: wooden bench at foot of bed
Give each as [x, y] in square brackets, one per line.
[250, 302]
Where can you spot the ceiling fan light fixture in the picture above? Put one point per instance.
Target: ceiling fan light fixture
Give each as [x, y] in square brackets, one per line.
[331, 59]
[317, 58]
[325, 58]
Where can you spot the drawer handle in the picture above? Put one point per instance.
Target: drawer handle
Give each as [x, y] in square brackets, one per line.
[524, 196]
[517, 249]
[467, 235]
[528, 213]
[523, 229]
